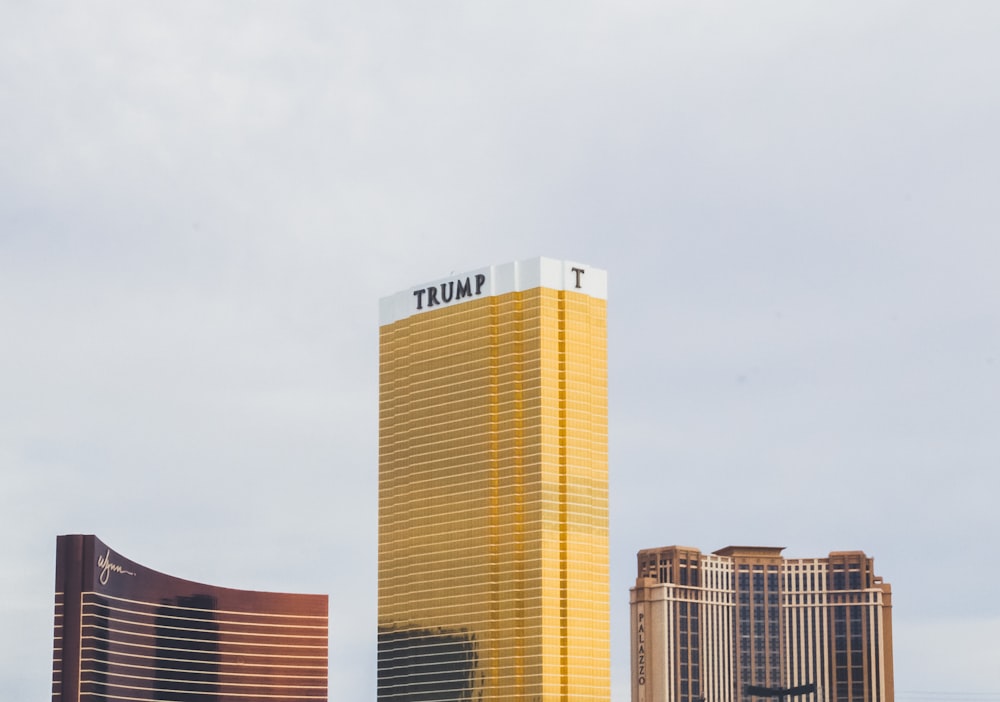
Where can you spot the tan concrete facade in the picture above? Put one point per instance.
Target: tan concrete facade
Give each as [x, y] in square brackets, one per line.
[493, 521]
[705, 626]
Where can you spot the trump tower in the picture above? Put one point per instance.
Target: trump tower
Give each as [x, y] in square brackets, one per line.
[493, 486]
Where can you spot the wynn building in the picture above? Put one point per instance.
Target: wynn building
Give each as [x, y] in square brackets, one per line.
[125, 632]
[732, 625]
[493, 504]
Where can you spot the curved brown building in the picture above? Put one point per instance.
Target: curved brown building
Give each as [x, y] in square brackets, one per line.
[125, 632]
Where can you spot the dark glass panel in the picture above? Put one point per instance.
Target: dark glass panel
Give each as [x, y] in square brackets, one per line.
[444, 670]
[187, 649]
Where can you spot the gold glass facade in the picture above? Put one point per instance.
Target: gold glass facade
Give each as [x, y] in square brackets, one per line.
[493, 500]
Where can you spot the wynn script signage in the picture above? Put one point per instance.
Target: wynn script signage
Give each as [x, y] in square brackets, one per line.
[107, 568]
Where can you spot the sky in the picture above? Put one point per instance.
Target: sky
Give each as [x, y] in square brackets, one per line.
[796, 203]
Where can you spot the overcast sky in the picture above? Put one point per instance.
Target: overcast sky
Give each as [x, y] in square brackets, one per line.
[797, 205]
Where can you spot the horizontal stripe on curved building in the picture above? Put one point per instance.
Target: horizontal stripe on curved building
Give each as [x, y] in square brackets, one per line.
[126, 632]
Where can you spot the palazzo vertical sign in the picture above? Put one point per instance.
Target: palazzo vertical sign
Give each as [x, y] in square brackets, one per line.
[640, 653]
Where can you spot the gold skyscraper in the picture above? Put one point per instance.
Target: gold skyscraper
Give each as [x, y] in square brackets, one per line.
[493, 487]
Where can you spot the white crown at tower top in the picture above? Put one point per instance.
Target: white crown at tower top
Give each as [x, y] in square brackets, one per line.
[516, 276]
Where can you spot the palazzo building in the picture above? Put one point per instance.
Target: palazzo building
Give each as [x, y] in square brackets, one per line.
[493, 487]
[125, 632]
[713, 627]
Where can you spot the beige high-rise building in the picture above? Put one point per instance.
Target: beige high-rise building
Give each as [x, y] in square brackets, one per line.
[736, 624]
[493, 487]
